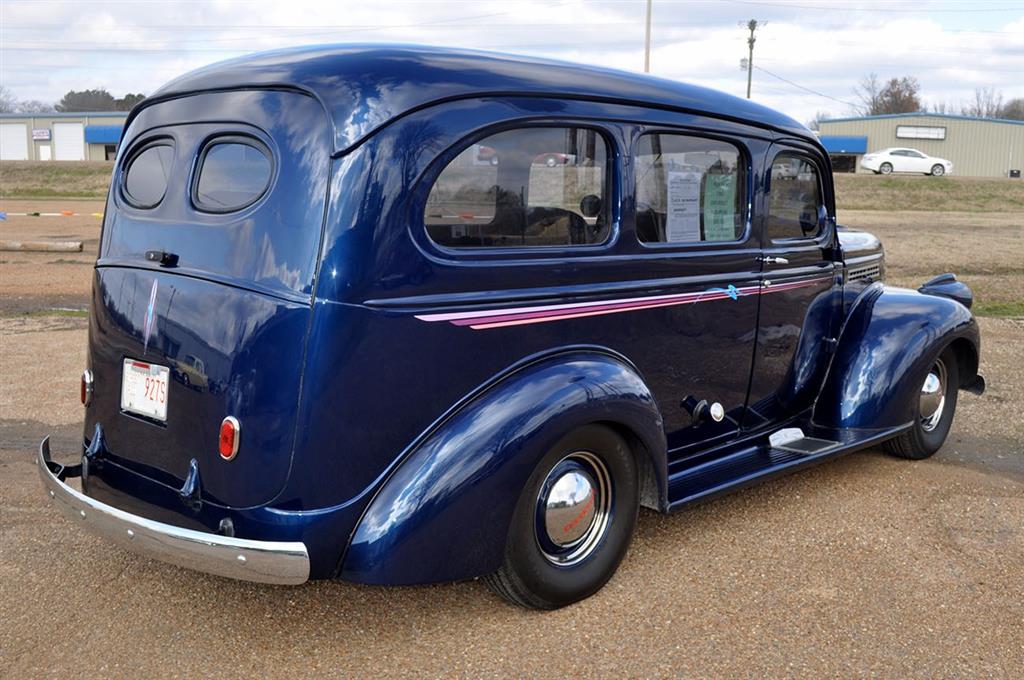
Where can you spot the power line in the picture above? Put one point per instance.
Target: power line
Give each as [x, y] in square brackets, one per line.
[805, 89]
[833, 8]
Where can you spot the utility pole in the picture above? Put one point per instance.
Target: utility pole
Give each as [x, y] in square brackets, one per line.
[647, 41]
[752, 25]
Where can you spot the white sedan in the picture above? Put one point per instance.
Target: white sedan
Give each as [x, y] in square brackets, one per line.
[905, 160]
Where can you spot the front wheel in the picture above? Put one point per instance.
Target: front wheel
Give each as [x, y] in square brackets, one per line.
[573, 523]
[936, 403]
[938, 170]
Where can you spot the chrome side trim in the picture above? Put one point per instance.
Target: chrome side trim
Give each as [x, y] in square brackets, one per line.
[285, 563]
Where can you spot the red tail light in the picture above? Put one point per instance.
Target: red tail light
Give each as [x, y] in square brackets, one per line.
[87, 387]
[230, 431]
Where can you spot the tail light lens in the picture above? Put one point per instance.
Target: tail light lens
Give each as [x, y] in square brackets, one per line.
[230, 431]
[87, 387]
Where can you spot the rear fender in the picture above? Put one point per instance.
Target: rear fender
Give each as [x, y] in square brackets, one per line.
[445, 512]
[888, 341]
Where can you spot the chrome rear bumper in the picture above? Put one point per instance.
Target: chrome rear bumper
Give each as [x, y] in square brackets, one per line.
[262, 561]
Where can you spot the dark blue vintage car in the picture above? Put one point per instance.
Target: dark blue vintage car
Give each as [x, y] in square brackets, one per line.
[401, 315]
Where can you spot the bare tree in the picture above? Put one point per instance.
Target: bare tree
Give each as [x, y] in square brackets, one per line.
[35, 106]
[819, 116]
[8, 101]
[988, 103]
[868, 92]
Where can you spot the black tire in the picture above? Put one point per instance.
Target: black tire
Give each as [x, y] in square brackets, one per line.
[885, 168]
[530, 578]
[923, 439]
[938, 170]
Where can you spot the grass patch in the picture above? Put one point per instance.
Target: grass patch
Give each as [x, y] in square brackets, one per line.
[934, 194]
[1012, 309]
[38, 313]
[50, 179]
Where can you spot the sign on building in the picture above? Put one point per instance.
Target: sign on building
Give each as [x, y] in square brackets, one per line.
[41, 134]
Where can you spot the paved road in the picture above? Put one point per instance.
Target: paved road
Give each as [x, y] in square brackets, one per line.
[864, 566]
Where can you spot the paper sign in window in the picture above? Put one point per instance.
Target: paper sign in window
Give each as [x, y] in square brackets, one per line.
[683, 220]
[720, 207]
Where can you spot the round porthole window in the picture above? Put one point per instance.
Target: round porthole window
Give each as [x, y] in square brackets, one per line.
[145, 180]
[233, 174]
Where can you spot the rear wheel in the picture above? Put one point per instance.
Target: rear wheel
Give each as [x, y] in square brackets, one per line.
[885, 168]
[938, 170]
[936, 403]
[573, 522]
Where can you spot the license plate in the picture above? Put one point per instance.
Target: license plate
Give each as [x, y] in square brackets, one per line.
[144, 389]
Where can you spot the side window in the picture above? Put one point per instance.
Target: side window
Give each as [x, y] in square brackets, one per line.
[794, 199]
[689, 189]
[529, 187]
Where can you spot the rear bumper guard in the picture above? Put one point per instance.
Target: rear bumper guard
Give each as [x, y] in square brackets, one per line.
[284, 563]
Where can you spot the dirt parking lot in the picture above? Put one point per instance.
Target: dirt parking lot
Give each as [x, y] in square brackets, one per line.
[867, 566]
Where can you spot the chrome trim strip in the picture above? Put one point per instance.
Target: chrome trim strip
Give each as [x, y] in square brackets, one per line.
[285, 563]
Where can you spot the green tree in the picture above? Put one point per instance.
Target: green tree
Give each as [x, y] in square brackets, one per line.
[128, 102]
[1013, 109]
[87, 100]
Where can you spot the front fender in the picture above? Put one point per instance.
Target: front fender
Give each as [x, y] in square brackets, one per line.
[888, 341]
[444, 513]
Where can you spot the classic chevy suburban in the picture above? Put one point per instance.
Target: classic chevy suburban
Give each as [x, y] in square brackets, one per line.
[400, 315]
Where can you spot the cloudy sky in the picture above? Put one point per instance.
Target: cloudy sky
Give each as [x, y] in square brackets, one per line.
[809, 54]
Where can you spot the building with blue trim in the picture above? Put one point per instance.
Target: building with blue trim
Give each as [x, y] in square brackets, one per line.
[91, 136]
[978, 147]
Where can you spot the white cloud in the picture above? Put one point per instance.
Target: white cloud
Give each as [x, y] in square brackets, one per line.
[952, 47]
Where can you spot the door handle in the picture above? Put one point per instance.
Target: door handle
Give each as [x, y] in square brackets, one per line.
[767, 259]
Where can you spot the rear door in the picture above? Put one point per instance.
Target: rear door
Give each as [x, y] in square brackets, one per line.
[799, 286]
[202, 291]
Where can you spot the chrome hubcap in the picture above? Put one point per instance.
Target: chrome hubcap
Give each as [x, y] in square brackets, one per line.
[573, 508]
[933, 396]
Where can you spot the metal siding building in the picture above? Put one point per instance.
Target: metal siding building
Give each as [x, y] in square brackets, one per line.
[60, 136]
[978, 147]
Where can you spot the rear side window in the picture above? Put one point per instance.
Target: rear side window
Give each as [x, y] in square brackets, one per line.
[145, 178]
[689, 189]
[529, 187]
[794, 205]
[233, 173]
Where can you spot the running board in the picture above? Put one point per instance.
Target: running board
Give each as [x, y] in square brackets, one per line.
[753, 461]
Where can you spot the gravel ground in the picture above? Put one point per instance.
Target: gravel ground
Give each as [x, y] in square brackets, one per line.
[33, 282]
[864, 566]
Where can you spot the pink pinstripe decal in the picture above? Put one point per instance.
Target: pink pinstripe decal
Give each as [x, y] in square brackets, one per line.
[518, 316]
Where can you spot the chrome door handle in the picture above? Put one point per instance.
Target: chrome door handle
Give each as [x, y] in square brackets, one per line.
[772, 260]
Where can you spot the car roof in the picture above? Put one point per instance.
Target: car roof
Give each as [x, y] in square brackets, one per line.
[364, 87]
